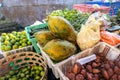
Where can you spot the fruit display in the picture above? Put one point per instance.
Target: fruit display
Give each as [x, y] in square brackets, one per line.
[26, 73]
[99, 69]
[74, 17]
[62, 28]
[14, 40]
[59, 49]
[43, 37]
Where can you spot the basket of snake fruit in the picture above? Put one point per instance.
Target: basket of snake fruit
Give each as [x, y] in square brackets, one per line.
[23, 66]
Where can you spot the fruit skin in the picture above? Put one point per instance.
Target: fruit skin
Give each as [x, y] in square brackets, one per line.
[62, 28]
[77, 68]
[43, 37]
[59, 49]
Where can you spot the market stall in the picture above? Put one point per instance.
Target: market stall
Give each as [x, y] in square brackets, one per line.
[78, 44]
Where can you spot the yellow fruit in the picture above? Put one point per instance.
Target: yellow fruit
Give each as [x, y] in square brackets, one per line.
[3, 34]
[3, 47]
[29, 43]
[6, 42]
[61, 27]
[59, 49]
[20, 46]
[43, 37]
[7, 48]
[15, 47]
[42, 73]
[23, 32]
[24, 44]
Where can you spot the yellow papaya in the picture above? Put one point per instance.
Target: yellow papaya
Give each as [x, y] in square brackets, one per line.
[59, 49]
[43, 37]
[61, 27]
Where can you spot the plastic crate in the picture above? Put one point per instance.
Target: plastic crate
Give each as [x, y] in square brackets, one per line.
[89, 8]
[30, 30]
[114, 6]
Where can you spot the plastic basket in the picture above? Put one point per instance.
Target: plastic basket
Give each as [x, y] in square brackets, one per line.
[89, 8]
[30, 30]
[114, 6]
[11, 62]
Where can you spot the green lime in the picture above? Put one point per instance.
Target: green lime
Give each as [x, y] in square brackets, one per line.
[24, 40]
[22, 75]
[15, 47]
[2, 78]
[37, 78]
[11, 73]
[20, 46]
[3, 34]
[17, 43]
[29, 67]
[42, 73]
[3, 47]
[23, 32]
[7, 48]
[2, 38]
[40, 68]
[27, 76]
[17, 39]
[10, 44]
[35, 67]
[18, 33]
[29, 43]
[14, 32]
[7, 38]
[32, 72]
[6, 42]
[24, 44]
[24, 78]
[7, 76]
[13, 41]
[24, 69]
[37, 71]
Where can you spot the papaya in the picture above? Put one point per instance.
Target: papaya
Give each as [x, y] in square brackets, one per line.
[62, 28]
[42, 37]
[58, 49]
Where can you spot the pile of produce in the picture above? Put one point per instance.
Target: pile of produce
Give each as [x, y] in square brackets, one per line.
[60, 42]
[14, 40]
[27, 73]
[99, 69]
[74, 17]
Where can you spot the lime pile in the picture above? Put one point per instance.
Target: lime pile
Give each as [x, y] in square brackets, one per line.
[27, 73]
[14, 40]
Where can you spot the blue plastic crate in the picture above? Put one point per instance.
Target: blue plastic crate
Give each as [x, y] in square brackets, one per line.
[114, 6]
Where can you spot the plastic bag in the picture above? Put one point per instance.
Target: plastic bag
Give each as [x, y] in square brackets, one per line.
[110, 38]
[89, 34]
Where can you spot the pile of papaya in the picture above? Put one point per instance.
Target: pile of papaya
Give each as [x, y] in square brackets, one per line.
[59, 42]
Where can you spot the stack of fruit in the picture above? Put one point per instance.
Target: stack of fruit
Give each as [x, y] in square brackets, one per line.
[27, 73]
[14, 40]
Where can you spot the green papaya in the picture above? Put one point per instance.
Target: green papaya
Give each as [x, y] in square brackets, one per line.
[43, 37]
[62, 28]
[59, 49]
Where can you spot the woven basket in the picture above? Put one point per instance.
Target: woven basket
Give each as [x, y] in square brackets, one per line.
[20, 60]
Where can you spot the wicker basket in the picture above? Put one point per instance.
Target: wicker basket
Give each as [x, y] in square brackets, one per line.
[27, 59]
